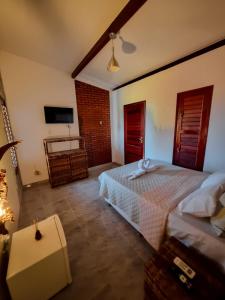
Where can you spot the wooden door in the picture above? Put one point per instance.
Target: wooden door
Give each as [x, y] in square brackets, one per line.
[134, 131]
[192, 121]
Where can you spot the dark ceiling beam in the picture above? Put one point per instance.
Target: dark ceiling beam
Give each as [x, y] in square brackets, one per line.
[127, 12]
[175, 63]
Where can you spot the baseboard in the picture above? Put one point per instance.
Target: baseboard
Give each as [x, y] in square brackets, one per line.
[116, 163]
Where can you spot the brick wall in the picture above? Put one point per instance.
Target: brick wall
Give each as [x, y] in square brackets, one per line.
[94, 122]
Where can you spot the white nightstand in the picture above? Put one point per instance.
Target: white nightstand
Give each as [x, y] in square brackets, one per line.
[38, 269]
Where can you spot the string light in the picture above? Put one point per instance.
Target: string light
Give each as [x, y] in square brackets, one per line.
[6, 214]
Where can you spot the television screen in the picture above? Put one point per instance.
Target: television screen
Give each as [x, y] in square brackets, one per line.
[58, 114]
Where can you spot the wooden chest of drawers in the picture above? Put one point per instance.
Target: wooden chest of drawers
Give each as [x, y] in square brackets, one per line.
[68, 165]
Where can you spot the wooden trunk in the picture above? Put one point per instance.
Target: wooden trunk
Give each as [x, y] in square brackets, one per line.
[162, 283]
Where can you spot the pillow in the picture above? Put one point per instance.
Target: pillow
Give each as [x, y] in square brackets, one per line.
[202, 202]
[217, 178]
[222, 199]
[218, 222]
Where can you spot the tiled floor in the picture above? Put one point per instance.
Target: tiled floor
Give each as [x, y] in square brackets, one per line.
[107, 255]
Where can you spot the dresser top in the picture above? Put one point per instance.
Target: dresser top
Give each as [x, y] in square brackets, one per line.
[62, 139]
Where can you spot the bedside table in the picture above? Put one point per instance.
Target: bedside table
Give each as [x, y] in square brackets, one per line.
[38, 269]
[162, 283]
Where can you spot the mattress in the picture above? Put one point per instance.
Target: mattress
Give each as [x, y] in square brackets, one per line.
[147, 200]
[198, 233]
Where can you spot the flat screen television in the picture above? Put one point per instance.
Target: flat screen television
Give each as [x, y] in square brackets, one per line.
[58, 115]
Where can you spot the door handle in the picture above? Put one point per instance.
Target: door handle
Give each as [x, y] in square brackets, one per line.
[140, 139]
[178, 148]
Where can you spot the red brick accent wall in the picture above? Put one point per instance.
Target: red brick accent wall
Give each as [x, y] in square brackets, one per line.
[94, 122]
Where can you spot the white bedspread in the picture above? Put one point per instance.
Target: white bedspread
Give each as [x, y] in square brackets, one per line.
[147, 200]
[198, 233]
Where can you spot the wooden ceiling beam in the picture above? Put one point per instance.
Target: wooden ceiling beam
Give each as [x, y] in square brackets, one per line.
[127, 12]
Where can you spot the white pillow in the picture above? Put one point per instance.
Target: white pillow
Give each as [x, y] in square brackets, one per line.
[217, 178]
[218, 222]
[222, 199]
[202, 202]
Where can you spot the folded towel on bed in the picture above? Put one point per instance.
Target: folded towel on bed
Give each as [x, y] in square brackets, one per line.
[137, 173]
[144, 164]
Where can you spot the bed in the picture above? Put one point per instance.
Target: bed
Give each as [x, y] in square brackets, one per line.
[149, 204]
[198, 233]
[147, 201]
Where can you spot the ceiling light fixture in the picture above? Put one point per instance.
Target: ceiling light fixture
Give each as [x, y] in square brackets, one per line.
[113, 65]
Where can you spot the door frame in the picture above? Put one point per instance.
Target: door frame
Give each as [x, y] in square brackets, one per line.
[125, 126]
[205, 124]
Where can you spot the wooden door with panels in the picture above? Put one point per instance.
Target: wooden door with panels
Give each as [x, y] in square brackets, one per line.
[134, 131]
[191, 130]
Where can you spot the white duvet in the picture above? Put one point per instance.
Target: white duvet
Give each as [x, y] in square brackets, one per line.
[147, 200]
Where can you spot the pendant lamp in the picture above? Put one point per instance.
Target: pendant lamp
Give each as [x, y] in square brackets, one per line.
[113, 65]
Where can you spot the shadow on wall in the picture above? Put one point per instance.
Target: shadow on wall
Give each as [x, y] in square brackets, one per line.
[158, 137]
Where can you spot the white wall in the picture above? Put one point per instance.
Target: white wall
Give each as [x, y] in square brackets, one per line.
[160, 92]
[29, 86]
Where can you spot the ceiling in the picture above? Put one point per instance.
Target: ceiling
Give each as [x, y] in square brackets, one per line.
[60, 33]
[57, 33]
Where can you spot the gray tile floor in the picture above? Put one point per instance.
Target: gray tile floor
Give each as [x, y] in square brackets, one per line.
[107, 255]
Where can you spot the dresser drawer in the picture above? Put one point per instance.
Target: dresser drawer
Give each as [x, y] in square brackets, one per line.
[57, 180]
[78, 154]
[61, 161]
[79, 175]
[75, 166]
[60, 169]
[79, 162]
